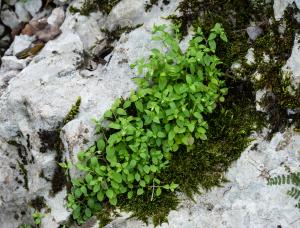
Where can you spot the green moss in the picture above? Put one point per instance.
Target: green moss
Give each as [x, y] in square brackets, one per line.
[73, 112]
[24, 173]
[116, 33]
[105, 6]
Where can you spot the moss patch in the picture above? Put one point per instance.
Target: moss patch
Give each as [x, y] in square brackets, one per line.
[105, 6]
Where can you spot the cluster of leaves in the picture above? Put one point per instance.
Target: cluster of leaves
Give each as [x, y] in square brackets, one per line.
[291, 179]
[37, 216]
[164, 114]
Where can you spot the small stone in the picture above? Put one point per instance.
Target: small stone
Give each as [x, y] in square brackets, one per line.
[254, 32]
[22, 42]
[2, 30]
[9, 18]
[5, 41]
[34, 26]
[49, 33]
[57, 17]
[12, 63]
[21, 12]
[33, 6]
[250, 56]
[61, 2]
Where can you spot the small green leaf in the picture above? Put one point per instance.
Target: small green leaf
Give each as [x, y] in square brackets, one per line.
[139, 106]
[146, 169]
[142, 183]
[96, 188]
[108, 114]
[158, 192]
[88, 212]
[100, 196]
[110, 193]
[113, 201]
[129, 194]
[140, 191]
[137, 177]
[77, 192]
[89, 178]
[101, 144]
[114, 126]
[121, 111]
[91, 203]
[94, 161]
[117, 177]
[130, 178]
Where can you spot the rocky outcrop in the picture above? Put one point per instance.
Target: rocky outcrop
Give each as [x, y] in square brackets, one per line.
[36, 93]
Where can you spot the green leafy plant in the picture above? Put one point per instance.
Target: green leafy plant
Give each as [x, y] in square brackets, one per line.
[37, 216]
[138, 135]
[291, 179]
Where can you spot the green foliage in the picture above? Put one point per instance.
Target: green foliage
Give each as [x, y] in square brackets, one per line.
[291, 179]
[230, 126]
[37, 216]
[167, 112]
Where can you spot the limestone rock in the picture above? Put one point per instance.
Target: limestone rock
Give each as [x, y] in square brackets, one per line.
[12, 63]
[33, 6]
[57, 17]
[22, 42]
[254, 32]
[2, 30]
[9, 18]
[48, 33]
[21, 12]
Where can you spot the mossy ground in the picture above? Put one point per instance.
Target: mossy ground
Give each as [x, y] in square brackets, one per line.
[231, 124]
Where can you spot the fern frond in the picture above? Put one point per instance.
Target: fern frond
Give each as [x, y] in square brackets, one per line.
[293, 178]
[294, 192]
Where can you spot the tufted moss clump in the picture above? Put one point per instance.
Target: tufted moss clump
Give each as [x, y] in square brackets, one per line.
[105, 6]
[73, 112]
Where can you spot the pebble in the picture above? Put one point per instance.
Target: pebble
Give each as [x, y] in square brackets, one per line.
[9, 18]
[254, 32]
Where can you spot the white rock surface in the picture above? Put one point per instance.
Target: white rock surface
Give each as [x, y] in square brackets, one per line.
[9, 18]
[12, 63]
[57, 17]
[280, 5]
[21, 42]
[21, 12]
[33, 6]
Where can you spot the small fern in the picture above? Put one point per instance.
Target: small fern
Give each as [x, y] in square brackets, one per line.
[293, 179]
